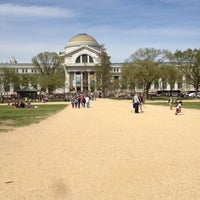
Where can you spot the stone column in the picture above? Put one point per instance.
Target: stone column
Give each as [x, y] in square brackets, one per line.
[74, 82]
[89, 81]
[82, 81]
[67, 81]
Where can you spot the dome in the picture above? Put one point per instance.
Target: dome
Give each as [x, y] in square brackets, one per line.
[82, 39]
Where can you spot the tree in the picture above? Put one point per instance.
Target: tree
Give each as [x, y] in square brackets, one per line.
[115, 85]
[169, 74]
[128, 77]
[189, 64]
[145, 64]
[10, 77]
[102, 71]
[49, 66]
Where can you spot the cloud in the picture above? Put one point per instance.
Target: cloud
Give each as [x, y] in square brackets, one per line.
[34, 11]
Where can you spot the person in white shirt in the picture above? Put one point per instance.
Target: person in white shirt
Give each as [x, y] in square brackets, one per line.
[136, 103]
[170, 101]
[87, 101]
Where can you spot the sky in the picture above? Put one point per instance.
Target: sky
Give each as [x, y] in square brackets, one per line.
[29, 27]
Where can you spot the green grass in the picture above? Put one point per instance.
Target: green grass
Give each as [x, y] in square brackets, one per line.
[11, 117]
[186, 104]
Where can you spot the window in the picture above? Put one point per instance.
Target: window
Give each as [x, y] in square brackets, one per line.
[164, 85]
[84, 58]
[78, 60]
[173, 85]
[156, 84]
[180, 84]
[90, 59]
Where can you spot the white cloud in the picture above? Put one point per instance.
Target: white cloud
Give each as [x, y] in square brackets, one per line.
[34, 11]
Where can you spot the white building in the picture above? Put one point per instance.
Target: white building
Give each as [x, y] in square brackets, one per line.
[81, 56]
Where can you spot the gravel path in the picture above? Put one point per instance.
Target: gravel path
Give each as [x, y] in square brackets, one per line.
[105, 152]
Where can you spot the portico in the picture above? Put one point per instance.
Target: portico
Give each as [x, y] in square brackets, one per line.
[79, 80]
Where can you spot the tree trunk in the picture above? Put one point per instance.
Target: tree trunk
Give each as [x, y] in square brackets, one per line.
[148, 85]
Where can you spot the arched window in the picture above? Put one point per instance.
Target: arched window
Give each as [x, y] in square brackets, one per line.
[84, 58]
[78, 60]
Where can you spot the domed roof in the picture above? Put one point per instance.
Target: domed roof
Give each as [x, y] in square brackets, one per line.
[81, 39]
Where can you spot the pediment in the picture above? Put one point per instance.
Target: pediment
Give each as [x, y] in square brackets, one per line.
[81, 49]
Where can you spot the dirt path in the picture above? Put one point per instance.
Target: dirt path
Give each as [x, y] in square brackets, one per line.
[104, 153]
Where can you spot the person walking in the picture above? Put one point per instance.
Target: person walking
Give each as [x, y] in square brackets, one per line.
[141, 99]
[170, 101]
[83, 101]
[136, 103]
[87, 101]
[73, 101]
[79, 101]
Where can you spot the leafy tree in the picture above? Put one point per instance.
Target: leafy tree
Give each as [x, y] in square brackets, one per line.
[50, 69]
[169, 74]
[27, 79]
[128, 77]
[102, 71]
[189, 64]
[10, 77]
[114, 85]
[17, 79]
[145, 64]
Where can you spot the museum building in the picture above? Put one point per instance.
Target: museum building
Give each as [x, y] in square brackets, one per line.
[81, 55]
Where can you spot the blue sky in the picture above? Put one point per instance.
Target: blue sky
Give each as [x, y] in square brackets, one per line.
[28, 27]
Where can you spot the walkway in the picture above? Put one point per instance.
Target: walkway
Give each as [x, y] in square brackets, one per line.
[104, 153]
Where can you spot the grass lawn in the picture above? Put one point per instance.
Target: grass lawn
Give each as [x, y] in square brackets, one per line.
[186, 104]
[11, 117]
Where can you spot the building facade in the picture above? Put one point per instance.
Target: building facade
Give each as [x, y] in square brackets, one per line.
[81, 55]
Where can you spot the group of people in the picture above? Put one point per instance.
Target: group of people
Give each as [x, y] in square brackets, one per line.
[178, 105]
[23, 104]
[80, 100]
[138, 102]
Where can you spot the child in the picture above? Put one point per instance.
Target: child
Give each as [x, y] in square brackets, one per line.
[178, 107]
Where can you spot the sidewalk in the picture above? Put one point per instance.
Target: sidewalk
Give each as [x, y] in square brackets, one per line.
[104, 153]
